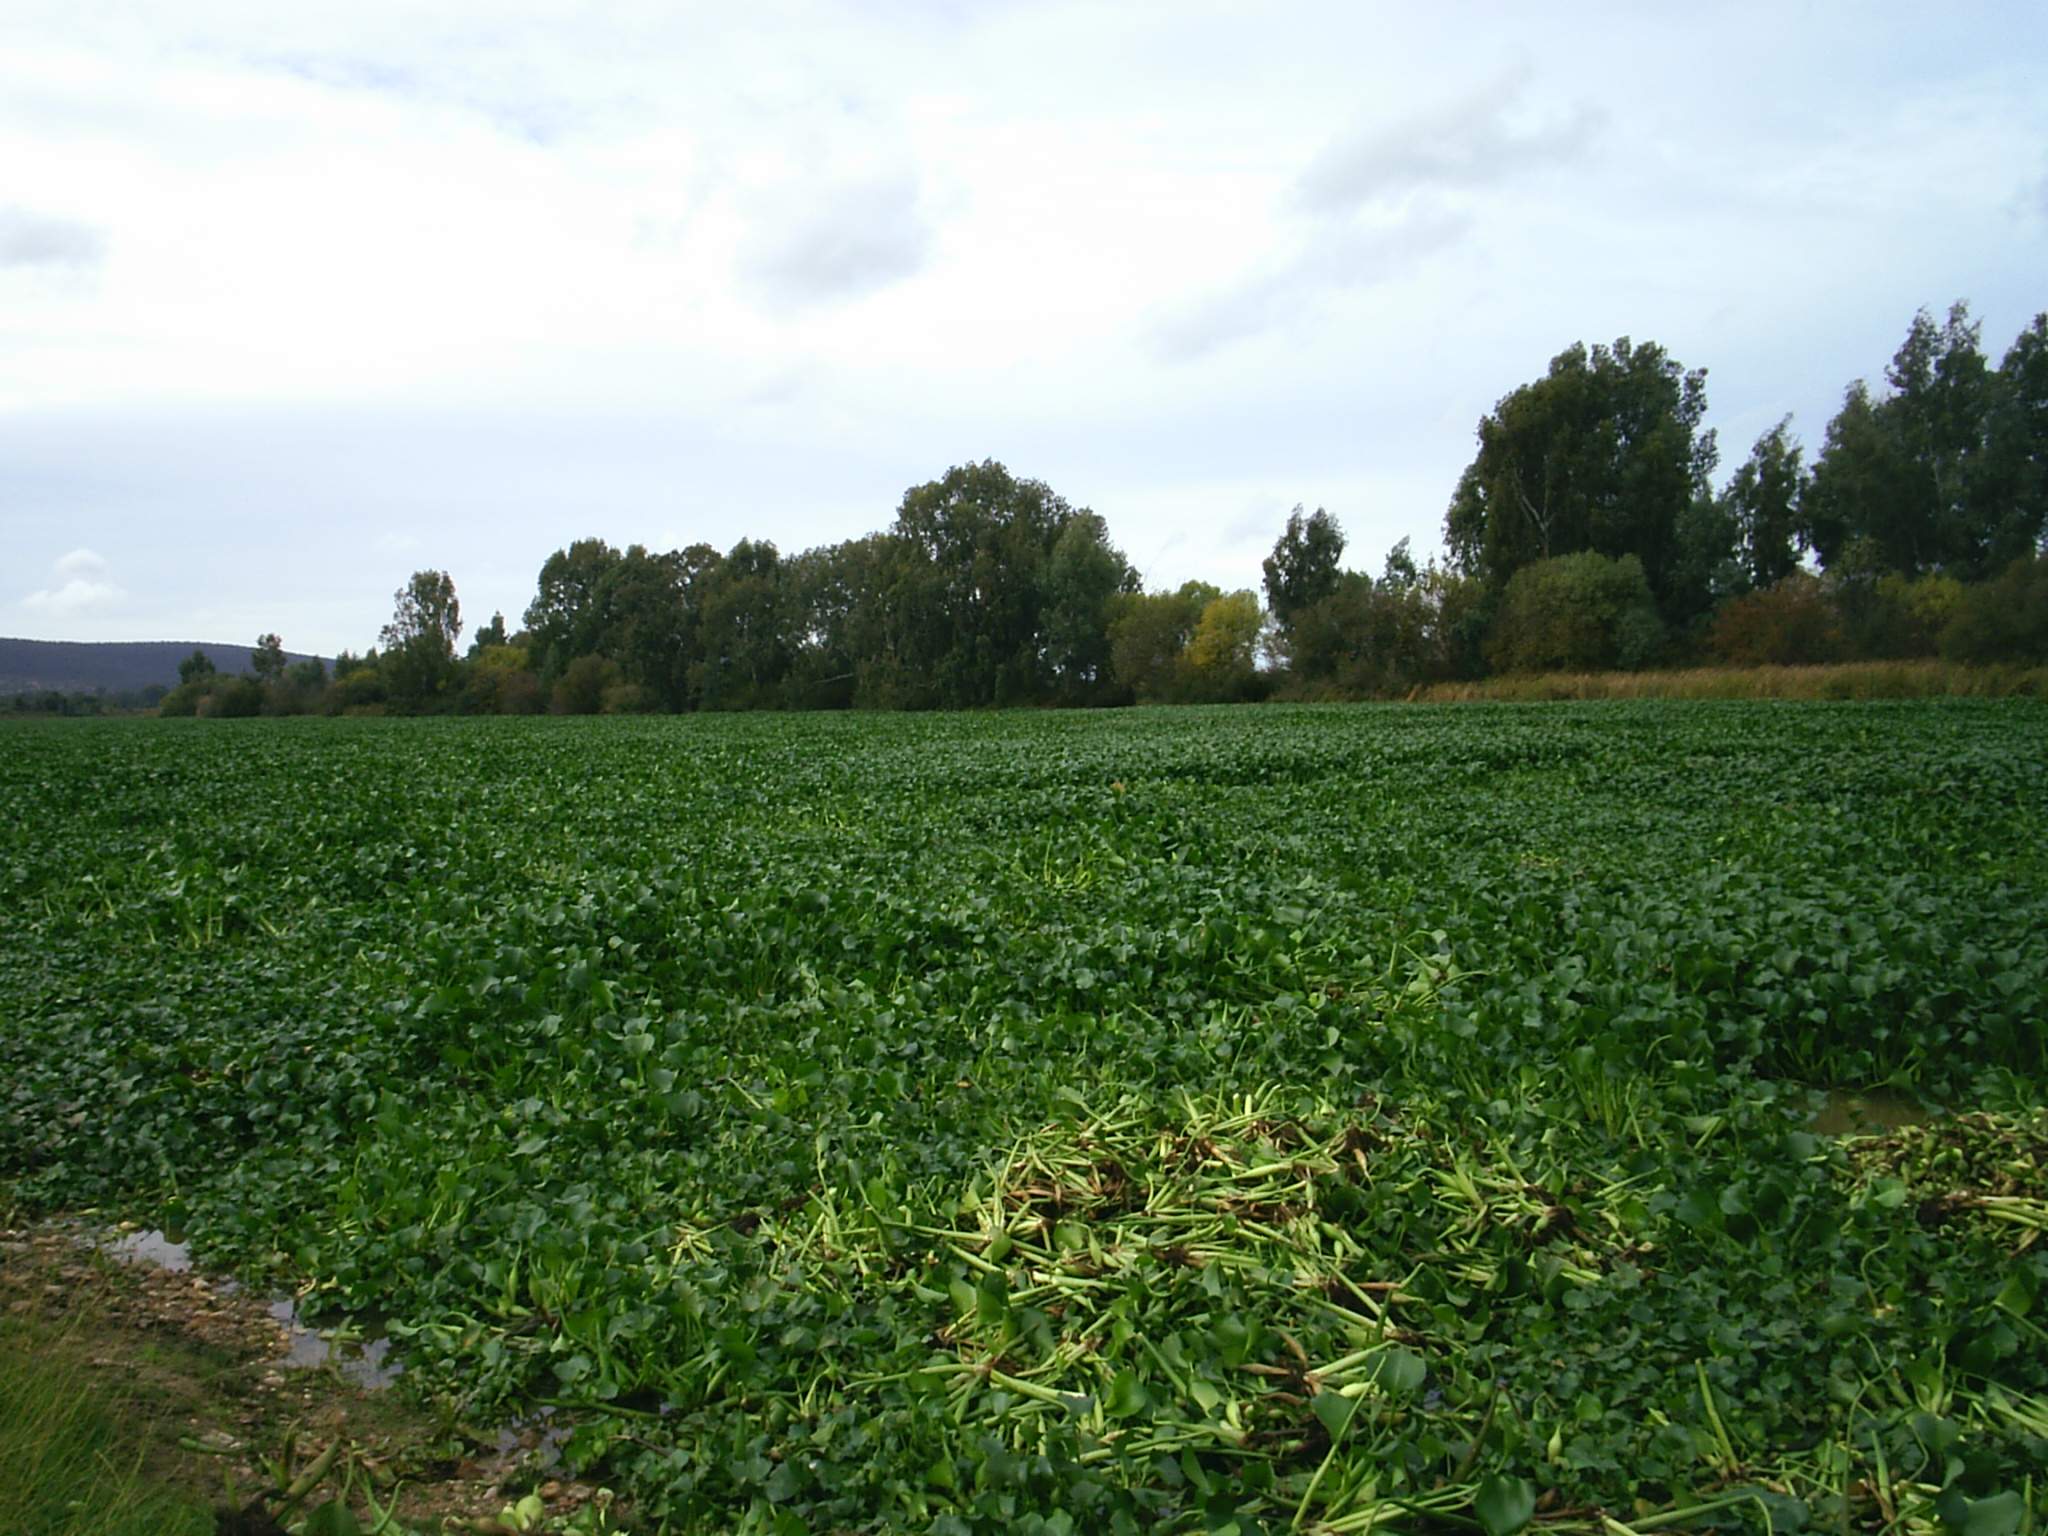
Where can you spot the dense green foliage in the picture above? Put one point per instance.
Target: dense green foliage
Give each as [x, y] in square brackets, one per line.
[1172, 1120]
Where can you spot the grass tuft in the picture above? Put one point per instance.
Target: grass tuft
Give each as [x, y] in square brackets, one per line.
[73, 1457]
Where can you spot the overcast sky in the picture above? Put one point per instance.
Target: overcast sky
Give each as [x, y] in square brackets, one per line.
[297, 299]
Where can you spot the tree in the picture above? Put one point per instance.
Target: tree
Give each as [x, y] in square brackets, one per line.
[835, 612]
[566, 617]
[1398, 573]
[1222, 653]
[490, 635]
[307, 677]
[1082, 575]
[743, 640]
[1303, 568]
[1604, 453]
[583, 684]
[2013, 479]
[195, 668]
[647, 614]
[1370, 638]
[965, 600]
[1940, 404]
[1764, 496]
[1915, 475]
[419, 642]
[1149, 634]
[267, 661]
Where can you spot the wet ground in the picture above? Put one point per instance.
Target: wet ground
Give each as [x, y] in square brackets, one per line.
[364, 1359]
[230, 1376]
[1866, 1113]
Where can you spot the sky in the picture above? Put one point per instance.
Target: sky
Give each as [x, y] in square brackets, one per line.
[296, 300]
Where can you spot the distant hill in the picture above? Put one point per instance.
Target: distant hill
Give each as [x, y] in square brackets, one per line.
[118, 666]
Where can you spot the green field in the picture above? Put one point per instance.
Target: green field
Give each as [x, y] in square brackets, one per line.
[1345, 1119]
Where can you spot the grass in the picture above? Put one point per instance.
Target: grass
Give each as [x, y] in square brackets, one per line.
[76, 1457]
[1844, 680]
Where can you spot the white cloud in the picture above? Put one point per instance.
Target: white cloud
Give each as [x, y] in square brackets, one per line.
[80, 587]
[275, 280]
[81, 562]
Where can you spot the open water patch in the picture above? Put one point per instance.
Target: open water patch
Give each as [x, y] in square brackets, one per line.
[364, 1360]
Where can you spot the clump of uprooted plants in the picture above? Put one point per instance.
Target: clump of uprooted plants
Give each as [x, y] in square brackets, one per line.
[1270, 1312]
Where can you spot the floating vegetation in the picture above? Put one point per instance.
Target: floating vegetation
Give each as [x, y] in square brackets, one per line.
[1604, 1118]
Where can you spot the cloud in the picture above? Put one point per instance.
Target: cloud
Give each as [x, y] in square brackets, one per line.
[80, 585]
[1470, 142]
[1376, 203]
[858, 239]
[1335, 257]
[81, 562]
[32, 240]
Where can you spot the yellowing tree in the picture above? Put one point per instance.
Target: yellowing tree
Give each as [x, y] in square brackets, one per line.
[1226, 637]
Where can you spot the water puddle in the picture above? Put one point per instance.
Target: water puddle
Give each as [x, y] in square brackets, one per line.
[538, 1437]
[1843, 1113]
[151, 1247]
[364, 1359]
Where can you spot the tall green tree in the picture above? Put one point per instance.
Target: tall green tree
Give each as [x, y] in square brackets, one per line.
[419, 642]
[744, 640]
[647, 616]
[836, 610]
[2013, 480]
[267, 660]
[1605, 452]
[966, 602]
[1914, 480]
[567, 617]
[491, 634]
[1083, 574]
[1305, 565]
[1763, 496]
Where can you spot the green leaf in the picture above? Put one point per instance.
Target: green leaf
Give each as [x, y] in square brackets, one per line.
[1397, 1372]
[1998, 1515]
[1335, 1410]
[1127, 1395]
[1504, 1504]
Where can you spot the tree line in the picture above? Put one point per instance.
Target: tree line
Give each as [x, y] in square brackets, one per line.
[1586, 534]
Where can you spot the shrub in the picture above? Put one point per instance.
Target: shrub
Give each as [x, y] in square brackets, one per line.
[581, 689]
[359, 690]
[1789, 623]
[1577, 613]
[628, 699]
[2004, 619]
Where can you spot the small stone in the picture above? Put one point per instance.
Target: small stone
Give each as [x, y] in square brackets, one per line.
[550, 1490]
